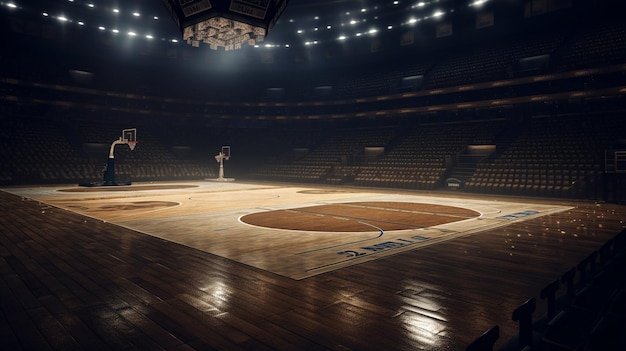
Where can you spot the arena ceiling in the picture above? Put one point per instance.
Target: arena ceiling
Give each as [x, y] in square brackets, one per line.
[328, 28]
[303, 23]
[314, 26]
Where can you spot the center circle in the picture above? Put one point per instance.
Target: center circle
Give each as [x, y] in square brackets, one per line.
[360, 216]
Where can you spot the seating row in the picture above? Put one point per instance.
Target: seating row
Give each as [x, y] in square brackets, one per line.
[590, 314]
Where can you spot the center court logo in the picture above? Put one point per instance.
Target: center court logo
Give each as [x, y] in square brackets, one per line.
[517, 215]
[387, 245]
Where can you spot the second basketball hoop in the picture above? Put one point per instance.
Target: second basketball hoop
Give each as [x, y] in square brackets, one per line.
[223, 155]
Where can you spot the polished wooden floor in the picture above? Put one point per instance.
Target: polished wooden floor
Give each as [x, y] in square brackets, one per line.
[69, 281]
[297, 231]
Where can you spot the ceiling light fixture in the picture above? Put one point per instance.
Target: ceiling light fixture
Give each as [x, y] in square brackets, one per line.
[227, 24]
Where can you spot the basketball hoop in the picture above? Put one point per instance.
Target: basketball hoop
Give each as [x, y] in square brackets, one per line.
[132, 144]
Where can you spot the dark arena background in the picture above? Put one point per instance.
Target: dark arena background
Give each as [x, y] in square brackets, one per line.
[312, 175]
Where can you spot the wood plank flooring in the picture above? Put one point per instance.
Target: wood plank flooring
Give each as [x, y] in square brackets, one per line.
[72, 282]
[292, 230]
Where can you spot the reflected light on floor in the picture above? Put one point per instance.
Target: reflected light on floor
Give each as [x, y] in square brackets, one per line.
[423, 329]
[220, 292]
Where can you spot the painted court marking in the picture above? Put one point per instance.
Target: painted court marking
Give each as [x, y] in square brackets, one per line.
[208, 216]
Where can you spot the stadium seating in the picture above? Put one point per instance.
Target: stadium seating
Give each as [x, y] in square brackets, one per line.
[541, 149]
[589, 315]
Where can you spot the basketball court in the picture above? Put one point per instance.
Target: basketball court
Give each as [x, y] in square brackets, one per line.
[295, 231]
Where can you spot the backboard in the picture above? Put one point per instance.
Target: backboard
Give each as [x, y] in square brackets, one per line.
[226, 151]
[129, 136]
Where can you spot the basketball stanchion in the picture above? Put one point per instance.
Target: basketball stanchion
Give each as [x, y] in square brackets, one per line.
[223, 155]
[129, 137]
